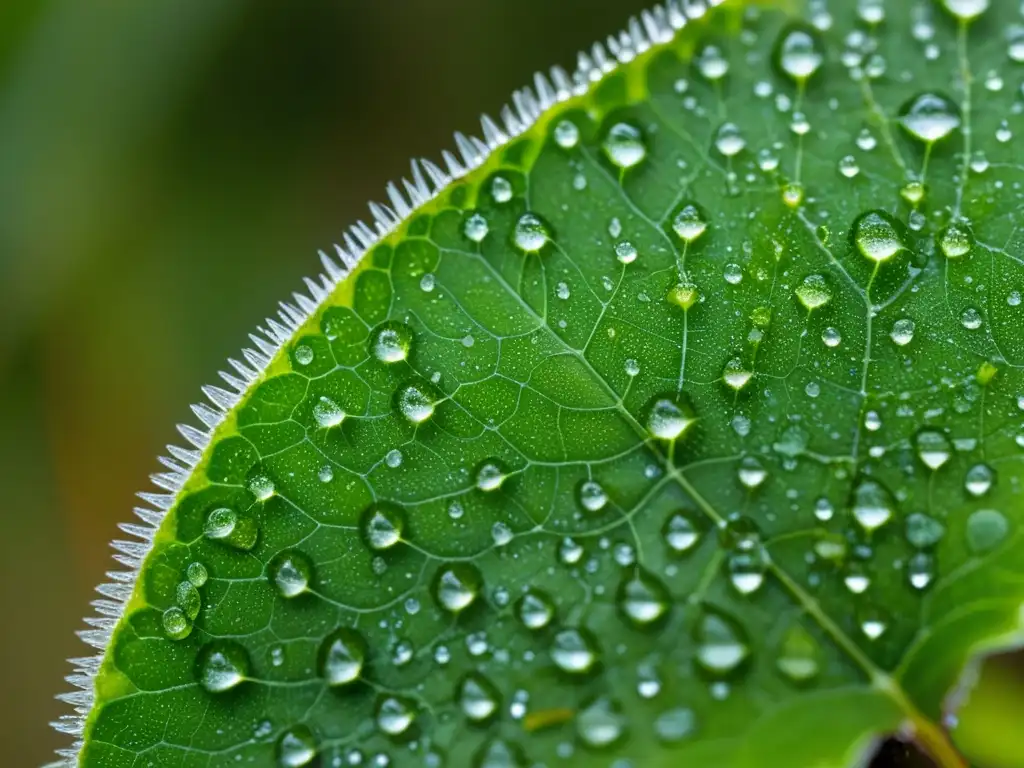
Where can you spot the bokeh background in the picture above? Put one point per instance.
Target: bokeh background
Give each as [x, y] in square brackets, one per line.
[168, 170]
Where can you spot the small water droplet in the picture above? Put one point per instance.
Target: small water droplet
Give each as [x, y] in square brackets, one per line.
[592, 496]
[735, 374]
[624, 145]
[574, 651]
[531, 234]
[501, 189]
[873, 506]
[414, 403]
[341, 657]
[222, 665]
[601, 722]
[682, 532]
[391, 343]
[902, 332]
[933, 448]
[490, 476]
[873, 622]
[296, 747]
[457, 586]
[535, 609]
[232, 528]
[721, 643]
[668, 420]
[923, 531]
[751, 472]
[956, 240]
[831, 337]
[642, 598]
[876, 236]
[196, 573]
[303, 354]
[382, 525]
[799, 656]
[177, 626]
[712, 64]
[625, 252]
[921, 570]
[930, 117]
[966, 10]
[567, 135]
[979, 479]
[478, 697]
[683, 294]
[799, 54]
[394, 714]
[729, 140]
[971, 319]
[814, 292]
[675, 725]
[690, 223]
[476, 228]
[290, 572]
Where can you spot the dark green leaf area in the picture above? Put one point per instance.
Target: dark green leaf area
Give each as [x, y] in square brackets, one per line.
[687, 429]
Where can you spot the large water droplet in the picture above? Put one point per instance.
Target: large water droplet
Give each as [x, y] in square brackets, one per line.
[873, 505]
[814, 292]
[668, 420]
[956, 240]
[930, 117]
[601, 723]
[382, 525]
[624, 145]
[478, 697]
[747, 569]
[721, 643]
[642, 598]
[222, 665]
[681, 531]
[457, 586]
[683, 294]
[923, 531]
[591, 496]
[535, 609]
[979, 479]
[232, 528]
[799, 656]
[395, 714]
[675, 725]
[751, 472]
[933, 447]
[966, 10]
[876, 236]
[736, 375]
[476, 228]
[490, 476]
[341, 657]
[531, 234]
[296, 747]
[902, 332]
[415, 403]
[391, 342]
[290, 572]
[986, 530]
[567, 135]
[798, 54]
[575, 651]
[712, 64]
[261, 486]
[729, 140]
[690, 223]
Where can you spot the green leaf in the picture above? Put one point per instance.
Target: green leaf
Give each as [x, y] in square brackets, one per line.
[683, 427]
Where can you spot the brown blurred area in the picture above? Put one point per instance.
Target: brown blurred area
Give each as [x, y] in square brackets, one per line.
[168, 170]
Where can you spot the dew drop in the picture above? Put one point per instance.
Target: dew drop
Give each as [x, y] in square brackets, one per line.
[478, 697]
[624, 145]
[531, 234]
[747, 569]
[642, 598]
[476, 228]
[921, 570]
[222, 665]
[382, 525]
[856, 578]
[394, 715]
[391, 343]
[735, 374]
[668, 420]
[873, 623]
[457, 586]
[303, 354]
[721, 644]
[261, 486]
[290, 573]
[966, 10]
[979, 479]
[229, 527]
[823, 509]
[902, 332]
[733, 274]
[956, 240]
[327, 413]
[625, 252]
[831, 337]
[986, 530]
[712, 64]
[675, 725]
[681, 531]
[729, 140]
[814, 292]
[751, 472]
[799, 54]
[683, 294]
[341, 657]
[535, 609]
[799, 656]
[501, 189]
[930, 117]
[876, 236]
[567, 135]
[689, 223]
[414, 404]
[971, 319]
[933, 448]
[296, 747]
[591, 496]
[574, 651]
[196, 573]
[601, 723]
[177, 626]
[923, 531]
[498, 753]
[848, 166]
[872, 504]
[490, 476]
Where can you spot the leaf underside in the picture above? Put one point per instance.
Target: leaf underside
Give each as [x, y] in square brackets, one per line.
[685, 430]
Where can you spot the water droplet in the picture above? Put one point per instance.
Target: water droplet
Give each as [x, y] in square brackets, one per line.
[733, 274]
[873, 623]
[414, 403]
[921, 570]
[567, 135]
[823, 509]
[735, 374]
[933, 448]
[799, 656]
[729, 140]
[391, 343]
[681, 531]
[261, 486]
[601, 723]
[966, 10]
[876, 236]
[831, 337]
[979, 479]
[848, 166]
[591, 496]
[327, 413]
[457, 586]
[683, 294]
[574, 651]
[290, 572]
[799, 54]
[341, 657]
[382, 525]
[721, 644]
[394, 714]
[956, 240]
[498, 753]
[625, 252]
[751, 472]
[569, 551]
[814, 292]
[675, 725]
[793, 194]
[535, 609]
[531, 234]
[232, 528]
[296, 747]
[501, 189]
[971, 319]
[930, 117]
[923, 531]
[326, 473]
[177, 626]
[477, 696]
[986, 530]
[476, 228]
[188, 599]
[222, 665]
[712, 64]
[303, 354]
[668, 421]
[490, 476]
[856, 578]
[624, 145]
[196, 573]
[902, 332]
[690, 223]
[643, 598]
[873, 506]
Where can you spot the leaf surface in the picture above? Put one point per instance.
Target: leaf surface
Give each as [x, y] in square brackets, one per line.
[686, 428]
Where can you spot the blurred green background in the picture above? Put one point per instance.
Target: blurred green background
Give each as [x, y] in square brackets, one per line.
[168, 170]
